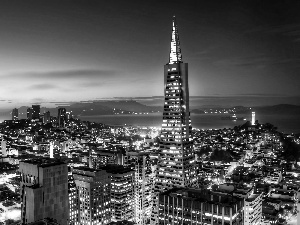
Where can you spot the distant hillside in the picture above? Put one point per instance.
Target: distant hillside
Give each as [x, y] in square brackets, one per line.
[129, 106]
[197, 111]
[93, 108]
[275, 109]
[278, 109]
[111, 108]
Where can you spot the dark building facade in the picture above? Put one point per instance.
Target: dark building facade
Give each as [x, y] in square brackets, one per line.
[36, 111]
[47, 118]
[44, 191]
[15, 114]
[29, 113]
[61, 117]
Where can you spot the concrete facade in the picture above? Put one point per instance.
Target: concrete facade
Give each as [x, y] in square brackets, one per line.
[44, 191]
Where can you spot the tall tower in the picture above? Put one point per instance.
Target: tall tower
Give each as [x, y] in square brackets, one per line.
[36, 111]
[61, 117]
[3, 147]
[141, 163]
[253, 119]
[15, 114]
[93, 192]
[176, 162]
[46, 118]
[29, 113]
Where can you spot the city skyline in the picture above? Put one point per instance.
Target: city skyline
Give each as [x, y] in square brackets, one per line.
[60, 166]
[54, 52]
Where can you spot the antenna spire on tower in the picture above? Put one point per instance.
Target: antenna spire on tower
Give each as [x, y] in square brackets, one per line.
[175, 52]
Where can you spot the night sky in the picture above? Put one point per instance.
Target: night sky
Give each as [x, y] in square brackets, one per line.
[61, 51]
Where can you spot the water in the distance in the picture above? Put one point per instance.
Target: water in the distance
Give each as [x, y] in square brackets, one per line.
[285, 123]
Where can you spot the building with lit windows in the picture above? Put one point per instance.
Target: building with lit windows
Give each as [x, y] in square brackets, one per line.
[3, 148]
[252, 200]
[196, 206]
[46, 118]
[101, 158]
[253, 209]
[93, 190]
[44, 191]
[176, 162]
[36, 110]
[29, 113]
[15, 114]
[61, 117]
[253, 119]
[73, 200]
[122, 192]
[144, 178]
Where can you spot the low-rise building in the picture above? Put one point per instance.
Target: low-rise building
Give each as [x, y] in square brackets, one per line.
[198, 206]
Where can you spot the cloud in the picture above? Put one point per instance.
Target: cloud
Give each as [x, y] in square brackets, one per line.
[261, 95]
[61, 74]
[67, 102]
[43, 86]
[37, 100]
[146, 98]
[288, 29]
[243, 61]
[257, 61]
[92, 83]
[292, 30]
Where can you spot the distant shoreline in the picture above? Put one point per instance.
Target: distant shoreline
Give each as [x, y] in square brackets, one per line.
[285, 123]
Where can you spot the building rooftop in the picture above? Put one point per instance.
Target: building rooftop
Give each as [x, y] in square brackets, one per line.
[44, 162]
[116, 169]
[203, 195]
[252, 197]
[85, 168]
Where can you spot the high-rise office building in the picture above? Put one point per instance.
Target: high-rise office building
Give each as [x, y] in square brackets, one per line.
[61, 117]
[253, 119]
[44, 191]
[122, 192]
[73, 201]
[46, 118]
[144, 177]
[176, 162]
[15, 114]
[29, 113]
[3, 148]
[253, 209]
[51, 149]
[36, 110]
[93, 189]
